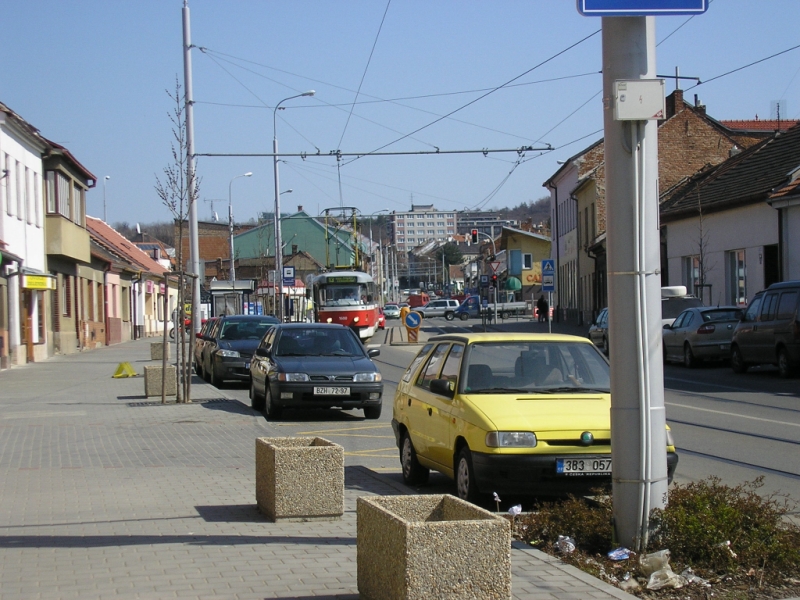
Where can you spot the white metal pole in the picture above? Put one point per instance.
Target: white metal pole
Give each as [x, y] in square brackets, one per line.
[194, 243]
[637, 407]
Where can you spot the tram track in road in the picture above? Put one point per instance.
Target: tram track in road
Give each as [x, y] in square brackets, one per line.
[740, 463]
[737, 432]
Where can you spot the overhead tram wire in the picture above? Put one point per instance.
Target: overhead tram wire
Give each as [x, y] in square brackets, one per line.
[744, 67]
[364, 74]
[379, 100]
[481, 97]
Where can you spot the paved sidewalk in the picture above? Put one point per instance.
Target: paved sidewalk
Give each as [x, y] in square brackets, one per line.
[107, 494]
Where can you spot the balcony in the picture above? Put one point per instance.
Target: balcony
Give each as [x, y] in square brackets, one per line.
[65, 238]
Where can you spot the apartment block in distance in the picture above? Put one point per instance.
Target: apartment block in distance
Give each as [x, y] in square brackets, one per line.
[422, 223]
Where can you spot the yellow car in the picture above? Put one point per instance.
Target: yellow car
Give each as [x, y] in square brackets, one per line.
[508, 413]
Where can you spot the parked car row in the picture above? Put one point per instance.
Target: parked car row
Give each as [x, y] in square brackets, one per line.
[766, 332]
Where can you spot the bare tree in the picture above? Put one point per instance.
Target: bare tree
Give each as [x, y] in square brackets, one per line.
[179, 189]
[703, 266]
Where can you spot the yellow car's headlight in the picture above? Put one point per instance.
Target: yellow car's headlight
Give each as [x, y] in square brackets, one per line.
[510, 439]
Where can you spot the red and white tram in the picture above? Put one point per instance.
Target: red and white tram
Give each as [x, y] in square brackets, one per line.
[347, 298]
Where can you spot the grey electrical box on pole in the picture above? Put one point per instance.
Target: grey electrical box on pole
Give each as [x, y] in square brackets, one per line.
[638, 446]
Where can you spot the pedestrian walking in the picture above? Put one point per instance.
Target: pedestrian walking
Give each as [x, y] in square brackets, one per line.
[542, 308]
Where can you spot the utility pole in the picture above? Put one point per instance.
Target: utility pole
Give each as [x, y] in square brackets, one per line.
[194, 241]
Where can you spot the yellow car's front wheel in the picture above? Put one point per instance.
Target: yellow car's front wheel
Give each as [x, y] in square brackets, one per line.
[466, 486]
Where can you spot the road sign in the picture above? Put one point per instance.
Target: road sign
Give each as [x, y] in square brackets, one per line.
[548, 266]
[548, 283]
[288, 277]
[413, 320]
[640, 8]
[484, 280]
[495, 266]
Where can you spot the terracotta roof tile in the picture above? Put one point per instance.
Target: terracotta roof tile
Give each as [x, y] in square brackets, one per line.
[120, 244]
[760, 125]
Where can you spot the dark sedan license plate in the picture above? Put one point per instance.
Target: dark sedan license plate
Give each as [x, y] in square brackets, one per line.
[583, 466]
[331, 391]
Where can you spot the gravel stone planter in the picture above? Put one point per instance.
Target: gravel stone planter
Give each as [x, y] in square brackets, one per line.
[157, 350]
[423, 547]
[152, 381]
[299, 478]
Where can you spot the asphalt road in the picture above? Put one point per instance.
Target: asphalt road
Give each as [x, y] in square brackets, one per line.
[736, 427]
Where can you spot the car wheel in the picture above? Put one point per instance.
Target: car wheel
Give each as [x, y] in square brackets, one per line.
[737, 361]
[606, 349]
[449, 316]
[373, 412]
[256, 399]
[413, 472]
[214, 380]
[466, 488]
[689, 360]
[784, 365]
[272, 412]
[464, 316]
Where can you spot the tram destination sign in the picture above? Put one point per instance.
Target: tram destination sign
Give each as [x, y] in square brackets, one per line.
[343, 279]
[640, 8]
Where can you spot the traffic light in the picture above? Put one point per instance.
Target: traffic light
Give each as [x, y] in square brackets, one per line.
[474, 236]
[494, 280]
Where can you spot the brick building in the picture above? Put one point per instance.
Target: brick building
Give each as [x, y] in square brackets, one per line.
[688, 141]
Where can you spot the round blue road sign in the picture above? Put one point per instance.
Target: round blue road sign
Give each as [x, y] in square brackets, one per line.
[413, 319]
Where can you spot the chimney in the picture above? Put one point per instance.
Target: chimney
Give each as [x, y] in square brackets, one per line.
[674, 103]
[701, 108]
[299, 208]
[294, 249]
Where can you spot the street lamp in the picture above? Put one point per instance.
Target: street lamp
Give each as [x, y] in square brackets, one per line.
[278, 246]
[105, 217]
[230, 222]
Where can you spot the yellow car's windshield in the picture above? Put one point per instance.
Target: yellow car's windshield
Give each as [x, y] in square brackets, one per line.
[534, 367]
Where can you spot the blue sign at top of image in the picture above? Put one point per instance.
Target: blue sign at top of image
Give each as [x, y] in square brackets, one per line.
[640, 8]
[413, 320]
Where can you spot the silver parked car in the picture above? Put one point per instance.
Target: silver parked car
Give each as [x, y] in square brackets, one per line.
[444, 307]
[701, 333]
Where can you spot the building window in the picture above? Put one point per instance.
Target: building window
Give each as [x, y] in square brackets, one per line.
[29, 204]
[440, 231]
[431, 232]
[37, 199]
[66, 296]
[737, 288]
[20, 199]
[62, 195]
[691, 273]
[527, 262]
[50, 191]
[77, 205]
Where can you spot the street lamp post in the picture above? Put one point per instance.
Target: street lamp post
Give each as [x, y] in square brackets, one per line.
[278, 246]
[105, 216]
[232, 270]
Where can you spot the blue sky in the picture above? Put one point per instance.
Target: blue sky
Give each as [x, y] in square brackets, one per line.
[93, 76]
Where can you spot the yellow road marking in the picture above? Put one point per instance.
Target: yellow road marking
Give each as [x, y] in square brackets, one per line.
[343, 429]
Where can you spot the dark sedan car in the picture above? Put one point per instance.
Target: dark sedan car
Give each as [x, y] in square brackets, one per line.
[314, 365]
[229, 346]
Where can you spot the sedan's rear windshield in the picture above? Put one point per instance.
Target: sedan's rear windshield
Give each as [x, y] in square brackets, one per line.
[535, 367]
[722, 314]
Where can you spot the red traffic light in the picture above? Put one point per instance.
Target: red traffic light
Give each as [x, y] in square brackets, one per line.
[474, 236]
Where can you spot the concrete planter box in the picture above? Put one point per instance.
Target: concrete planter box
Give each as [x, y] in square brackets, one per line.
[300, 478]
[152, 381]
[422, 547]
[157, 350]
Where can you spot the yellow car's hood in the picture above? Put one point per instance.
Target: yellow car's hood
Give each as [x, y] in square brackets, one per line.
[546, 414]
